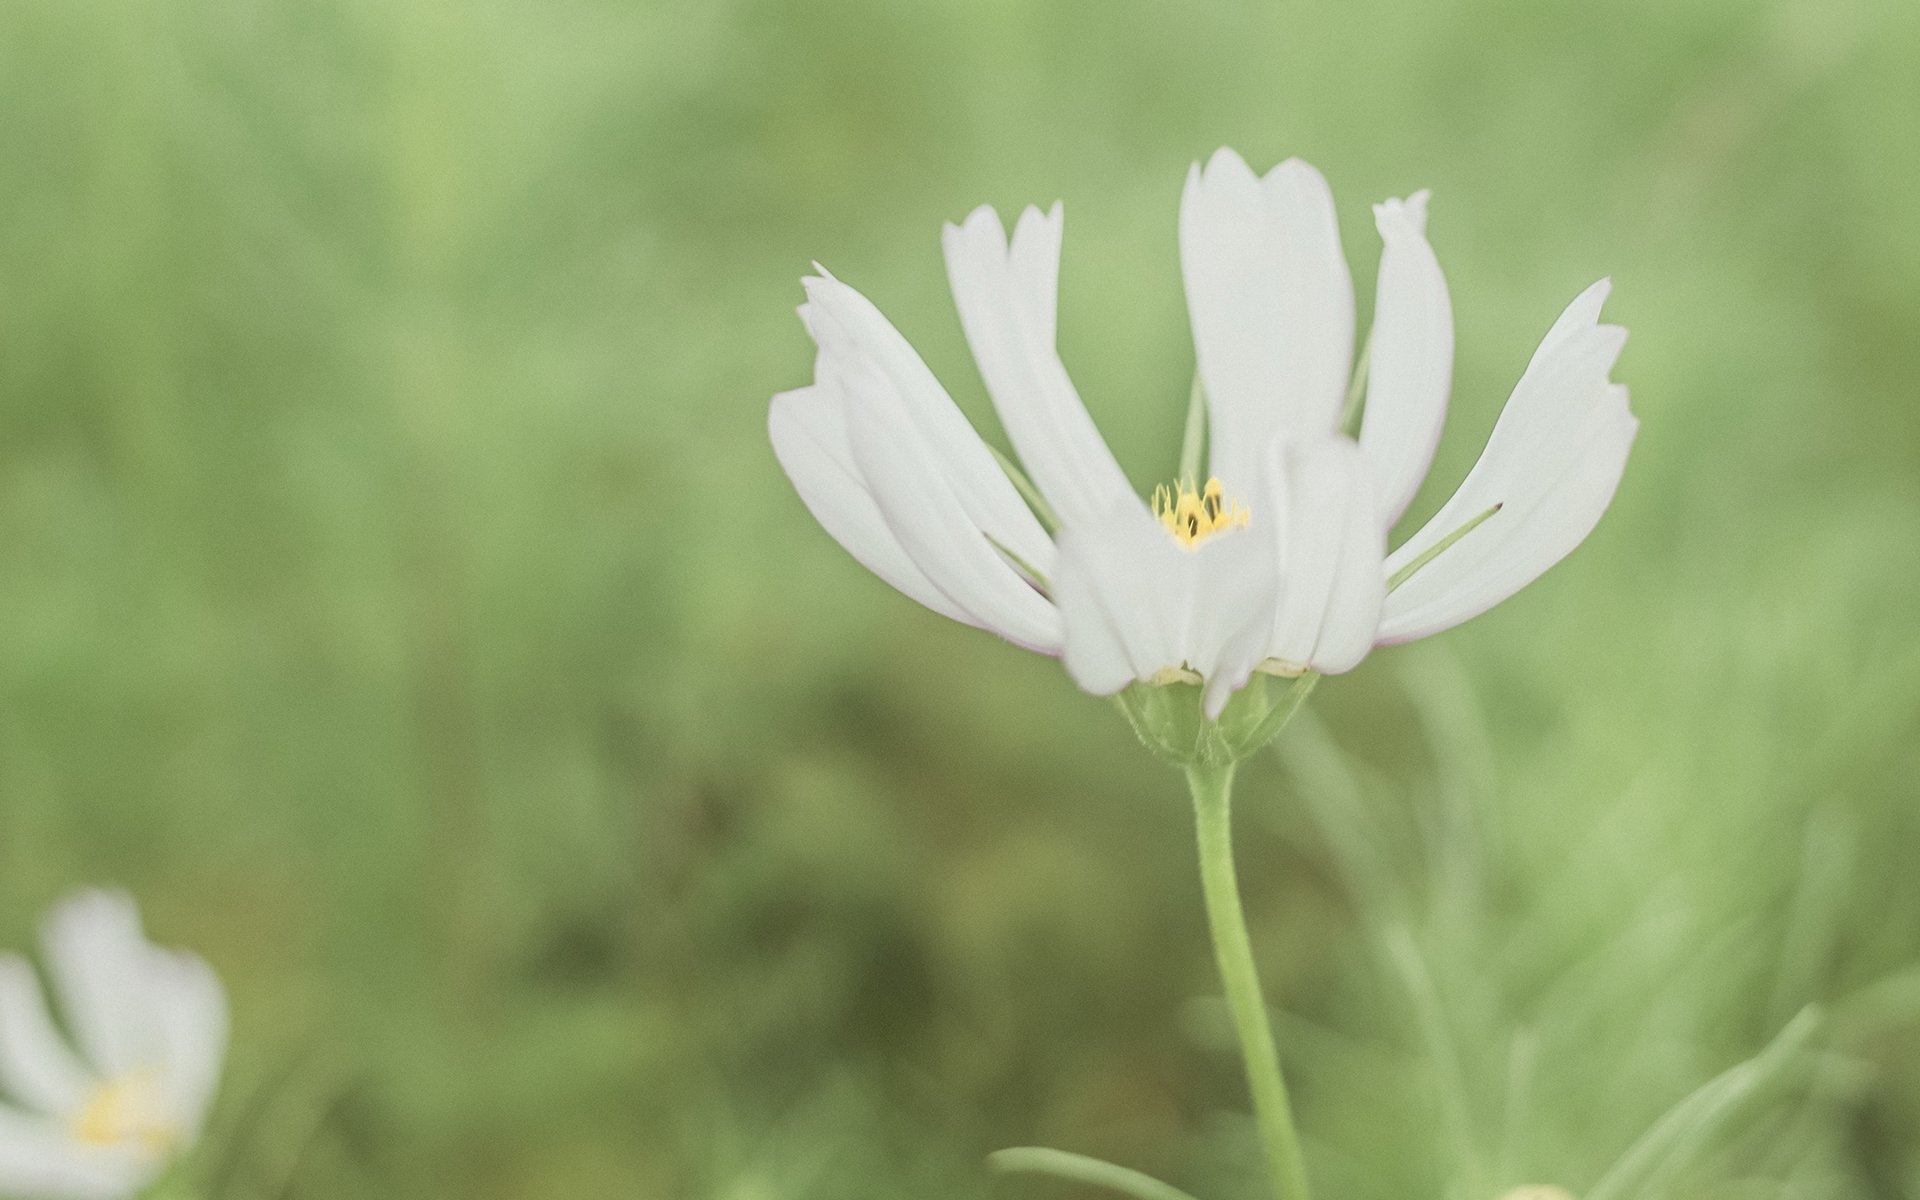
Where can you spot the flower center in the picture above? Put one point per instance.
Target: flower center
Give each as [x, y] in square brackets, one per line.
[128, 1109]
[1194, 516]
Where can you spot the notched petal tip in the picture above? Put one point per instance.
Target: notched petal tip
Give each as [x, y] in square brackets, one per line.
[1553, 464]
[843, 321]
[1034, 218]
[783, 411]
[1224, 161]
[828, 302]
[1591, 299]
[977, 223]
[1400, 217]
[1618, 399]
[821, 292]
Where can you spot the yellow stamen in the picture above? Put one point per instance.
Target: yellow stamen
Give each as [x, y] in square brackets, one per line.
[1194, 516]
[127, 1109]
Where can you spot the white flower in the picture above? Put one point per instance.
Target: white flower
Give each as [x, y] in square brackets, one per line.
[1278, 562]
[150, 1025]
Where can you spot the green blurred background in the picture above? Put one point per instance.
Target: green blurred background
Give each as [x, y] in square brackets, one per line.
[397, 593]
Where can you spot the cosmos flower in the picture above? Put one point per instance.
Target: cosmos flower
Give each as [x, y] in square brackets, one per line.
[150, 1028]
[1277, 559]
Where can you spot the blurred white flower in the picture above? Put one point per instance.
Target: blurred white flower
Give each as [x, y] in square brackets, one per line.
[150, 1029]
[1278, 560]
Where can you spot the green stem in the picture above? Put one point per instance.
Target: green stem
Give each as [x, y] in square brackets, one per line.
[1212, 785]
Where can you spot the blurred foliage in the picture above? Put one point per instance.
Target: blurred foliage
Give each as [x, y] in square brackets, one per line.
[398, 594]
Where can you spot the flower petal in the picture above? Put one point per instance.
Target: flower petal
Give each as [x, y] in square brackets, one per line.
[925, 512]
[36, 1067]
[39, 1159]
[1119, 603]
[1552, 464]
[96, 954]
[190, 1018]
[1234, 586]
[1271, 302]
[846, 325]
[1582, 314]
[1135, 604]
[1330, 551]
[808, 427]
[1006, 299]
[1411, 365]
[937, 487]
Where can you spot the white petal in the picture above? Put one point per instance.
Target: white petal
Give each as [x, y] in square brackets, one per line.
[1331, 549]
[1006, 299]
[1271, 302]
[809, 432]
[1034, 255]
[190, 1011]
[36, 1067]
[1116, 586]
[1544, 533]
[1552, 464]
[96, 954]
[1582, 314]
[1237, 579]
[1135, 603]
[923, 508]
[846, 326]
[937, 487]
[38, 1160]
[1411, 365]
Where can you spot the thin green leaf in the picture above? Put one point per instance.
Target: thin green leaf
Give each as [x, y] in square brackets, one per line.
[1357, 389]
[1034, 574]
[1193, 442]
[1028, 492]
[1892, 1001]
[1438, 548]
[1691, 1126]
[1443, 1051]
[1078, 1168]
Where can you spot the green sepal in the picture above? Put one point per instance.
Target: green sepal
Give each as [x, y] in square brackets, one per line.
[1171, 722]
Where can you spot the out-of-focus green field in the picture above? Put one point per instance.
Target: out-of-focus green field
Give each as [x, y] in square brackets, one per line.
[397, 594]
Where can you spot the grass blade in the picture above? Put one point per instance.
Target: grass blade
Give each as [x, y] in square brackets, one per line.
[1078, 1168]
